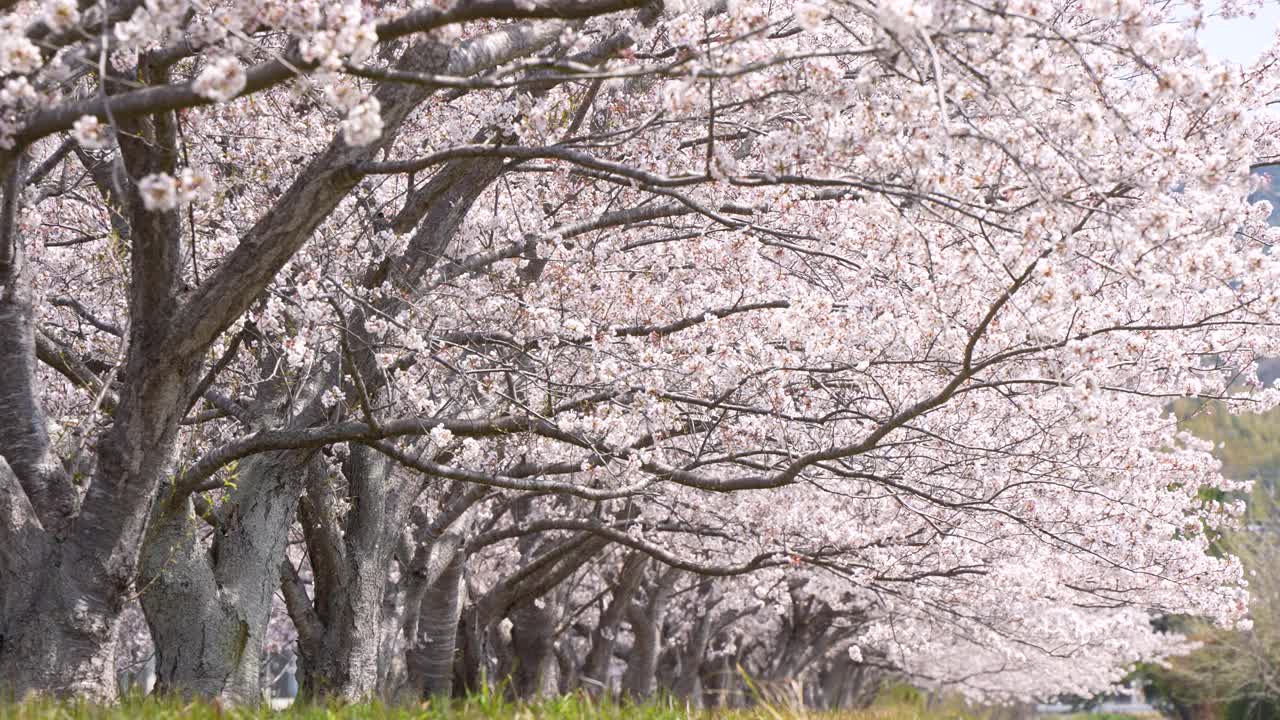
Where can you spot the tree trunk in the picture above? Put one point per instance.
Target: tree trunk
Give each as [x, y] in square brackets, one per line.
[208, 602]
[60, 637]
[57, 617]
[642, 662]
[646, 624]
[393, 670]
[431, 656]
[475, 663]
[595, 669]
[568, 668]
[45, 647]
[531, 645]
[531, 632]
[688, 680]
[718, 681]
[208, 605]
[340, 628]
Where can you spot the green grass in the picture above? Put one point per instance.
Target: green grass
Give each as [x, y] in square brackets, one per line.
[1109, 716]
[572, 707]
[896, 701]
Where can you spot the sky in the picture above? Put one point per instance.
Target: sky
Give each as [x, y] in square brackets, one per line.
[1241, 40]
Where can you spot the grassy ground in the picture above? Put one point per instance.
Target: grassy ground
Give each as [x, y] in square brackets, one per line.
[566, 708]
[899, 702]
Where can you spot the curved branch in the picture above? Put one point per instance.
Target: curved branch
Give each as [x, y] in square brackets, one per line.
[773, 558]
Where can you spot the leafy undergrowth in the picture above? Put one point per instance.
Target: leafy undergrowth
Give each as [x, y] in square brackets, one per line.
[565, 708]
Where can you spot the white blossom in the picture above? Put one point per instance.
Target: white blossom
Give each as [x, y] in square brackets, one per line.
[18, 55]
[194, 186]
[440, 436]
[61, 15]
[159, 192]
[906, 15]
[364, 123]
[331, 397]
[222, 79]
[90, 133]
[809, 15]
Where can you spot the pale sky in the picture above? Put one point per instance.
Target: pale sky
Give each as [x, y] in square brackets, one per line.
[1241, 40]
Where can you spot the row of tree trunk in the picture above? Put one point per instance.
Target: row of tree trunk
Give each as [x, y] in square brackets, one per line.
[418, 628]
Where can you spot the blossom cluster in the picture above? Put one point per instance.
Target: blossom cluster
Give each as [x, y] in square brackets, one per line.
[912, 284]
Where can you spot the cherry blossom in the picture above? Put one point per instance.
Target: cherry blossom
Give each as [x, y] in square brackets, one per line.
[221, 80]
[159, 192]
[821, 337]
[91, 133]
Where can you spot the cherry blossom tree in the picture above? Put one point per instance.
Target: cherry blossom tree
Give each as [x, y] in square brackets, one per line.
[805, 312]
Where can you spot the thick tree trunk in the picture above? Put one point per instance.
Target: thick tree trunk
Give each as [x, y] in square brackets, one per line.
[393, 670]
[568, 666]
[525, 655]
[688, 682]
[60, 637]
[24, 437]
[475, 663]
[431, 656]
[336, 657]
[719, 681]
[343, 664]
[208, 602]
[646, 624]
[340, 632]
[595, 669]
[51, 649]
[343, 661]
[642, 662]
[201, 635]
[433, 570]
[208, 605]
[23, 546]
[532, 650]
[27, 479]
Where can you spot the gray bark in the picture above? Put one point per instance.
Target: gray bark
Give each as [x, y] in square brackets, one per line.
[595, 668]
[525, 656]
[430, 657]
[646, 625]
[392, 668]
[24, 438]
[208, 605]
[62, 638]
[23, 544]
[223, 599]
[532, 650]
[688, 682]
[474, 663]
[350, 568]
[208, 602]
[338, 660]
[720, 681]
[28, 478]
